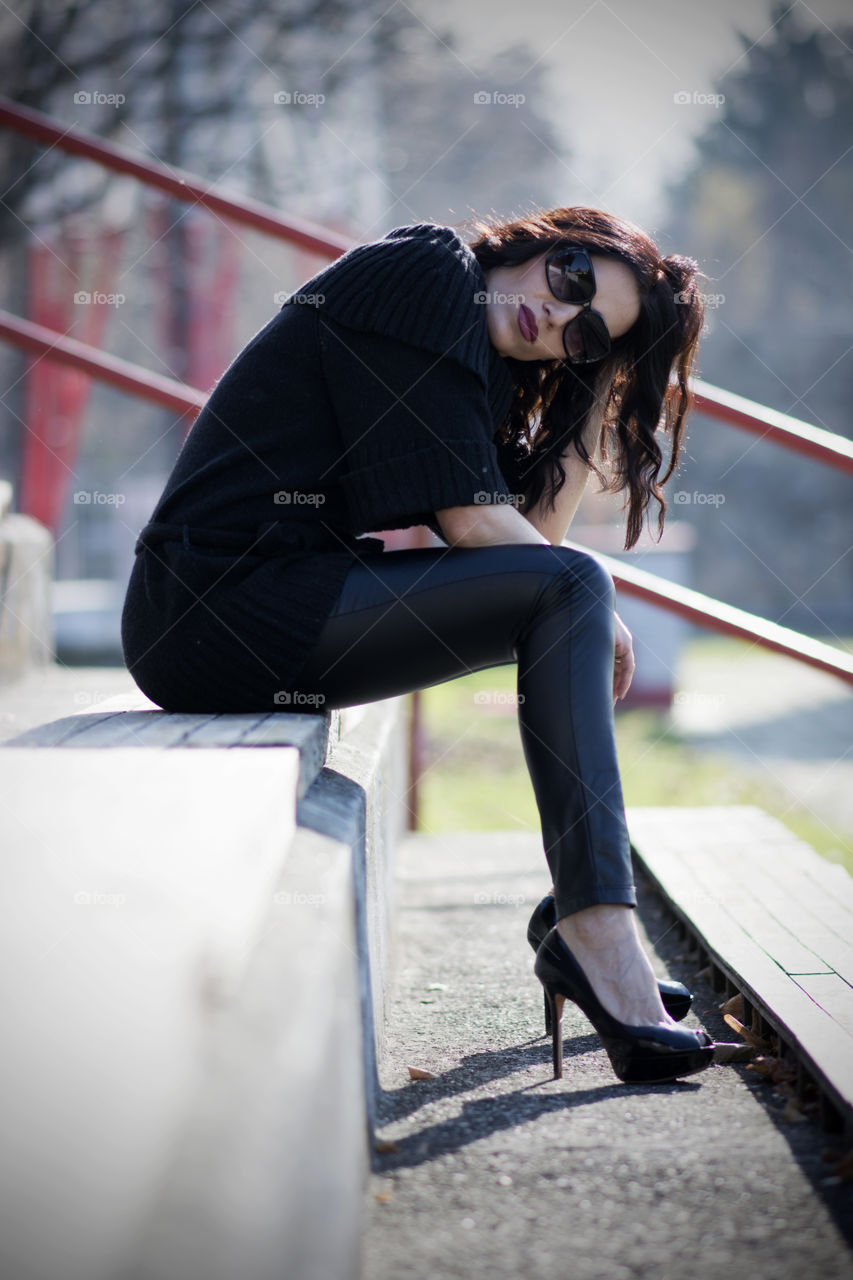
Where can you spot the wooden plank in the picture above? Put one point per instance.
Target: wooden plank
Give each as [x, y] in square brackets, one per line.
[680, 849]
[58, 732]
[787, 878]
[123, 728]
[826, 1045]
[224, 730]
[833, 995]
[774, 901]
[141, 729]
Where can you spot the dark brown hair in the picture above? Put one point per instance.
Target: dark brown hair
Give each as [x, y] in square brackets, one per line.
[631, 386]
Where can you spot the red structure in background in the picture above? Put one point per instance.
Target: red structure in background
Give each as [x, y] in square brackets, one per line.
[66, 280]
[195, 330]
[75, 289]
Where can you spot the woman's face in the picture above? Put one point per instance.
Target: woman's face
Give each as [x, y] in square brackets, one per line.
[526, 321]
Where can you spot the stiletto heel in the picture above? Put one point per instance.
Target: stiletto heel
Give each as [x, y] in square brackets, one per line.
[554, 1002]
[675, 996]
[652, 1054]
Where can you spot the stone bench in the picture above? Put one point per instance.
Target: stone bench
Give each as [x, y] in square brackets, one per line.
[196, 958]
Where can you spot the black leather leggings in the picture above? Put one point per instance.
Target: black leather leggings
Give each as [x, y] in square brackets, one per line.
[409, 619]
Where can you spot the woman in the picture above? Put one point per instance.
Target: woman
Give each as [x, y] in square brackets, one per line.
[472, 388]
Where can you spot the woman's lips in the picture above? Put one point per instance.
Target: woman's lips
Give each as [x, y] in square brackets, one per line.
[527, 324]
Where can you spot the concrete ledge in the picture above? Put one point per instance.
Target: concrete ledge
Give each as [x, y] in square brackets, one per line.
[26, 567]
[204, 1052]
[267, 1176]
[131, 720]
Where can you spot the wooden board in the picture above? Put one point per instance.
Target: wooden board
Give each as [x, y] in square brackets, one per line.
[773, 916]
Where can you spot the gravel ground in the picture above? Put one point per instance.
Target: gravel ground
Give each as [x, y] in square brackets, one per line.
[501, 1171]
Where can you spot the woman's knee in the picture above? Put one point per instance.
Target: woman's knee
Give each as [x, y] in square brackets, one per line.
[583, 573]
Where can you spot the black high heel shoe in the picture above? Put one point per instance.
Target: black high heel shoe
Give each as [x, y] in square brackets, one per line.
[675, 996]
[639, 1055]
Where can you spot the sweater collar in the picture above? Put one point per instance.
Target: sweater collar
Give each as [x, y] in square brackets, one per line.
[423, 285]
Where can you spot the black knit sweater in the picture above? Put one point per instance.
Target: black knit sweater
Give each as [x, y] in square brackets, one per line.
[368, 402]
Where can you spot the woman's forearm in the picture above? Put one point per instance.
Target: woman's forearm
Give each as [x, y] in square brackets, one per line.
[554, 525]
[488, 525]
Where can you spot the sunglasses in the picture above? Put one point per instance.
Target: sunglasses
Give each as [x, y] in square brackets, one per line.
[571, 279]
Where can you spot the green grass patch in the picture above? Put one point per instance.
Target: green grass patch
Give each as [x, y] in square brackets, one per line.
[476, 778]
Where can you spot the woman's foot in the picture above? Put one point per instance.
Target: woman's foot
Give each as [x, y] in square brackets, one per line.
[605, 943]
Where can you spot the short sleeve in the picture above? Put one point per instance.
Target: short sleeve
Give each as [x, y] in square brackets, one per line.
[415, 429]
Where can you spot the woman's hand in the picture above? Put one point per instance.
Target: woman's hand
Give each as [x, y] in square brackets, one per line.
[623, 659]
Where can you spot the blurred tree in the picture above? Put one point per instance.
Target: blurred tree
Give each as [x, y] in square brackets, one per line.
[765, 209]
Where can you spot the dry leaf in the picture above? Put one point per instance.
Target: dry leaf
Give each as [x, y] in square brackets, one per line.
[704, 975]
[776, 1069]
[383, 1196]
[724, 1052]
[792, 1112]
[417, 1073]
[734, 1007]
[384, 1148]
[744, 1032]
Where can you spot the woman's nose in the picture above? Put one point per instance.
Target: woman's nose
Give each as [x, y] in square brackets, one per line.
[561, 313]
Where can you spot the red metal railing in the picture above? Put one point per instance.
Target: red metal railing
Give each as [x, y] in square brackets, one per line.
[736, 411]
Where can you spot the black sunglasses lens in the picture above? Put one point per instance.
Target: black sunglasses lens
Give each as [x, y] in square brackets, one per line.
[586, 339]
[570, 275]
